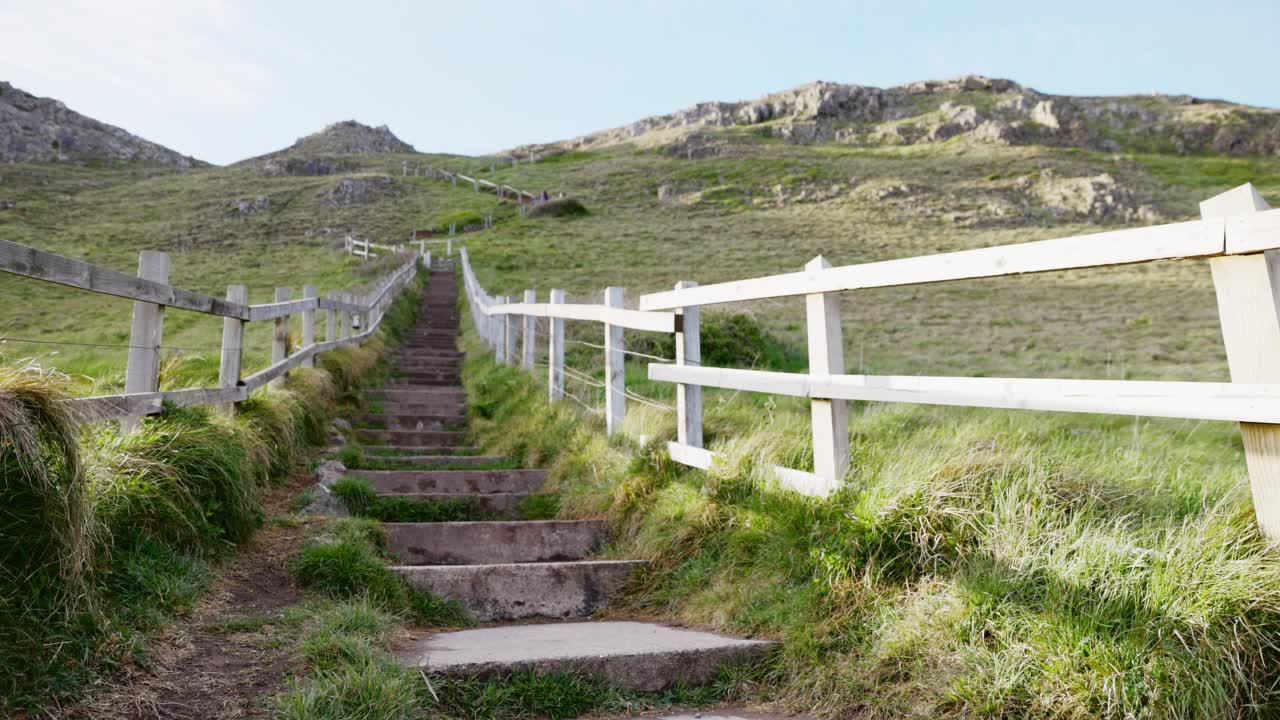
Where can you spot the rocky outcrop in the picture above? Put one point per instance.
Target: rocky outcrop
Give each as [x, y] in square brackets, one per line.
[303, 166]
[36, 129]
[363, 190]
[350, 138]
[967, 109]
[1097, 197]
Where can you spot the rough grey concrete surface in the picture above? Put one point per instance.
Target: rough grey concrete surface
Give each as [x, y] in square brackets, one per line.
[442, 460]
[424, 438]
[637, 655]
[476, 543]
[525, 590]
[505, 505]
[453, 481]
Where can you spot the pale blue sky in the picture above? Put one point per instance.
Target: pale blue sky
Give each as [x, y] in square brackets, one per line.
[224, 79]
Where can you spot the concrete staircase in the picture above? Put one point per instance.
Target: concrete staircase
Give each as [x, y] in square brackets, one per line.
[506, 569]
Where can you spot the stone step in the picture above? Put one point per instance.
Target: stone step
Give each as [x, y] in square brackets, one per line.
[496, 504]
[478, 543]
[525, 590]
[427, 375]
[392, 451]
[417, 395]
[426, 462]
[439, 407]
[423, 438]
[454, 481]
[415, 421]
[635, 655]
[408, 383]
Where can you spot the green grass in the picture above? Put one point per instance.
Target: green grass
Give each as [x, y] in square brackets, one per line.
[107, 215]
[975, 564]
[363, 501]
[349, 561]
[105, 536]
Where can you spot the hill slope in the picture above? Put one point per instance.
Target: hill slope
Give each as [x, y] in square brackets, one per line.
[36, 129]
[994, 111]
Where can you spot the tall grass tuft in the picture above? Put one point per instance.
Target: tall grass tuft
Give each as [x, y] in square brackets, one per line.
[103, 536]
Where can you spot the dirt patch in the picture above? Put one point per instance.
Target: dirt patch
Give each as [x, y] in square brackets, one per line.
[232, 653]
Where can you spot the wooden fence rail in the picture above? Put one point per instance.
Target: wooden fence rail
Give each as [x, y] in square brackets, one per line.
[151, 294]
[1237, 232]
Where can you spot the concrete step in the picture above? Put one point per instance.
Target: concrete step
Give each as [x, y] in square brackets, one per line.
[400, 383]
[479, 543]
[417, 396]
[394, 451]
[415, 421]
[424, 438]
[499, 504]
[454, 481]
[525, 590]
[635, 655]
[436, 407]
[427, 462]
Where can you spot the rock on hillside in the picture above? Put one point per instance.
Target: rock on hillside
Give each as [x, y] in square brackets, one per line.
[976, 108]
[349, 138]
[36, 129]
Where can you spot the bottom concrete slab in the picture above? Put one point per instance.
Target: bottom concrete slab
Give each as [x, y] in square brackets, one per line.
[508, 591]
[637, 655]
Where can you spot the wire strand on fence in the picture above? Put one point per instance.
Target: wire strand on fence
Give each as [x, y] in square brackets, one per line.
[624, 350]
[648, 401]
[109, 345]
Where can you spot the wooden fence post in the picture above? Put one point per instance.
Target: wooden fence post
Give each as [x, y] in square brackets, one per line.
[143, 373]
[500, 333]
[427, 260]
[232, 345]
[331, 320]
[280, 337]
[555, 354]
[308, 324]
[615, 379]
[688, 352]
[511, 329]
[1248, 289]
[530, 331]
[830, 418]
[448, 246]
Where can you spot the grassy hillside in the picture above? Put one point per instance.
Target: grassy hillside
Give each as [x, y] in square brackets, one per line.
[107, 214]
[766, 206]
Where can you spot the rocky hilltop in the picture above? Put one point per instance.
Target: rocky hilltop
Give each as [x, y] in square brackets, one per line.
[349, 138]
[973, 108]
[36, 129]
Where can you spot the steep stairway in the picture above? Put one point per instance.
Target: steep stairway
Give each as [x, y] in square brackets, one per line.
[506, 568]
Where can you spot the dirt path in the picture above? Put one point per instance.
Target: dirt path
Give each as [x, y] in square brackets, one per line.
[231, 654]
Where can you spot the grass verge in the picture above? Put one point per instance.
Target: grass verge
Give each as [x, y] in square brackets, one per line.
[975, 563]
[105, 536]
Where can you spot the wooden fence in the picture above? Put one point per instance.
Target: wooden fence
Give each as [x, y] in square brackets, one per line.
[507, 192]
[349, 320]
[1238, 233]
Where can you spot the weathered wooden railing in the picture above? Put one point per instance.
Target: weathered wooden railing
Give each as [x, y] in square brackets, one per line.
[151, 292]
[1238, 233]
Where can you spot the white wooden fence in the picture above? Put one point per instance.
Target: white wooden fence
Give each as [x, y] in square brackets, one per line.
[363, 247]
[1237, 232]
[349, 320]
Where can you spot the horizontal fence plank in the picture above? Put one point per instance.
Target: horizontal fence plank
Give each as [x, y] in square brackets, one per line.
[206, 396]
[805, 483]
[113, 407]
[40, 265]
[632, 319]
[1151, 398]
[1198, 238]
[1253, 233]
[271, 311]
